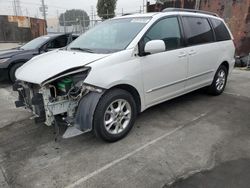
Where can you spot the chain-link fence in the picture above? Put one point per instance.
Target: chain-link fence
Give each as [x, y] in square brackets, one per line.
[73, 26]
[78, 26]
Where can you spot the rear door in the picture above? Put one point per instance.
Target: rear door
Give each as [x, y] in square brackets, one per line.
[203, 52]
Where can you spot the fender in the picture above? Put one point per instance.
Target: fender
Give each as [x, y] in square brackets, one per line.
[84, 116]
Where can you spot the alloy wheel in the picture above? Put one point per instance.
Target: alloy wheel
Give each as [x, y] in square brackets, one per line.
[117, 116]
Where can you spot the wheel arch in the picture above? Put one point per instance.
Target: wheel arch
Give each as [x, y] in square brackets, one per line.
[12, 64]
[133, 91]
[16, 62]
[226, 64]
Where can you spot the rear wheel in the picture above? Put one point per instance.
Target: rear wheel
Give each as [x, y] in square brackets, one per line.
[114, 115]
[12, 71]
[220, 80]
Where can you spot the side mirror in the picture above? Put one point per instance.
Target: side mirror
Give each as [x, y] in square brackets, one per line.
[154, 46]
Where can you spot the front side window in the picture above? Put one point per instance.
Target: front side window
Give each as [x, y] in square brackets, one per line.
[110, 36]
[220, 30]
[167, 30]
[197, 30]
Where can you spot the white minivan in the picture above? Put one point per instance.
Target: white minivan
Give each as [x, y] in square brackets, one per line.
[121, 67]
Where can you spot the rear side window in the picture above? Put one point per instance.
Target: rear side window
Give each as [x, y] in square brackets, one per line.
[197, 30]
[220, 30]
[59, 42]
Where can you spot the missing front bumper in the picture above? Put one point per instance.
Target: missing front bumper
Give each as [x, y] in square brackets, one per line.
[78, 114]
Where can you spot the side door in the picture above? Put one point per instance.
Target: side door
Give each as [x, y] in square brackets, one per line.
[203, 51]
[164, 74]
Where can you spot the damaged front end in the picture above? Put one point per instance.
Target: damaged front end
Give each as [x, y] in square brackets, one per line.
[64, 96]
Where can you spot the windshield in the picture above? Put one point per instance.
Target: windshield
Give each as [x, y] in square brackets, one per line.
[110, 36]
[35, 43]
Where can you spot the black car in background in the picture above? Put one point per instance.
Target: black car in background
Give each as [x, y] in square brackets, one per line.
[12, 59]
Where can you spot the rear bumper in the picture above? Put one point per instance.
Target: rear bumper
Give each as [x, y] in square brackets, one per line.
[4, 74]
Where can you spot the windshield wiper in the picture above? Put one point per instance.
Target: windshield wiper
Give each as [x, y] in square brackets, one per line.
[82, 49]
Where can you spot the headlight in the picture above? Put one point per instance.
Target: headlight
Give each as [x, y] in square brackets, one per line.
[4, 60]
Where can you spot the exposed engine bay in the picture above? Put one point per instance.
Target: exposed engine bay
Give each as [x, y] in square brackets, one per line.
[57, 97]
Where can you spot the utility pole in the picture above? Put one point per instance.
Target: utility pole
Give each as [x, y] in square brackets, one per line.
[83, 19]
[14, 8]
[143, 6]
[44, 9]
[17, 8]
[92, 16]
[64, 26]
[27, 12]
[58, 25]
[95, 17]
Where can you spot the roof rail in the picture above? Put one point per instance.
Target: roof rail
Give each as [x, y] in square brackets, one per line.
[189, 10]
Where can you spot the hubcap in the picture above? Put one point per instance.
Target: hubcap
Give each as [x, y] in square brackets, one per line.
[117, 116]
[221, 79]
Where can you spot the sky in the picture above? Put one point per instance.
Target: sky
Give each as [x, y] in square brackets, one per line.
[31, 7]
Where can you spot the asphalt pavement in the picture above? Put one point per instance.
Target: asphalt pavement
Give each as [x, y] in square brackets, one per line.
[191, 140]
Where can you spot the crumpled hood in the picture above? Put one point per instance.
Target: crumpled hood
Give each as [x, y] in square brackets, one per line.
[47, 65]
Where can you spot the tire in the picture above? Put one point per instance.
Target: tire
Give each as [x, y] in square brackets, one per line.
[12, 71]
[115, 115]
[219, 83]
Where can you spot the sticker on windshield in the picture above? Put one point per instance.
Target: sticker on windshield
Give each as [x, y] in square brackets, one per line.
[140, 20]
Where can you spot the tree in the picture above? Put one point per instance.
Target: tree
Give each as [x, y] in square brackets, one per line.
[106, 8]
[73, 16]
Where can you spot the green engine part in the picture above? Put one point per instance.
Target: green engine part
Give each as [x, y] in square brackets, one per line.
[64, 85]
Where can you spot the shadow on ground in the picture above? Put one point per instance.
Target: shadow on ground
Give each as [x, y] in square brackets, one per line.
[231, 174]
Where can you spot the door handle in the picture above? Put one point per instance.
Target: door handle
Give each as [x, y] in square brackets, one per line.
[191, 52]
[182, 54]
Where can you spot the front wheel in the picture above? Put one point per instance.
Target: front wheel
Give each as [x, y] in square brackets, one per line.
[114, 115]
[220, 80]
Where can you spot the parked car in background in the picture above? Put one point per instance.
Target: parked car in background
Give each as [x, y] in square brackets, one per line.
[12, 59]
[125, 65]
